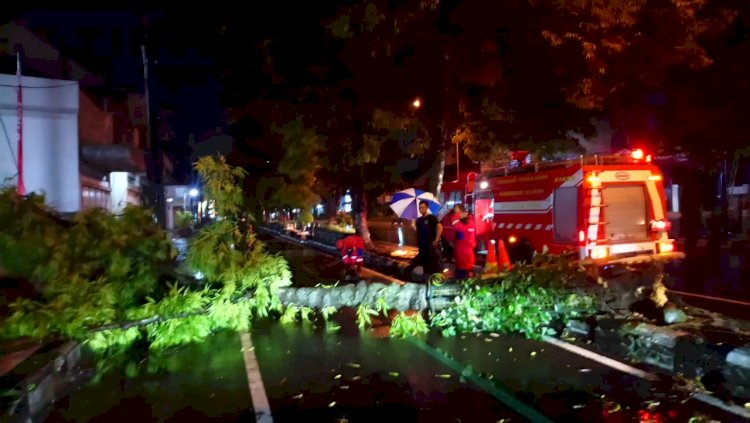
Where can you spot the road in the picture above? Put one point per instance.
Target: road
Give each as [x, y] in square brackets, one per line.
[311, 375]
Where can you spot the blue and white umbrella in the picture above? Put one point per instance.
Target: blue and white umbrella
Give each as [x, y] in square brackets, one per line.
[406, 203]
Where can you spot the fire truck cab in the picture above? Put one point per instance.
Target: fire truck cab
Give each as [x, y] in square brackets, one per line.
[598, 209]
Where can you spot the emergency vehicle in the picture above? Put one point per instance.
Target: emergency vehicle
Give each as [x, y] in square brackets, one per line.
[596, 209]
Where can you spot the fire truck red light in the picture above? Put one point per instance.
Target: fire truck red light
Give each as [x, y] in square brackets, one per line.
[581, 236]
[637, 154]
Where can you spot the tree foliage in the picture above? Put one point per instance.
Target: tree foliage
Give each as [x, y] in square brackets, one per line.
[102, 277]
[222, 184]
[528, 300]
[630, 44]
[493, 76]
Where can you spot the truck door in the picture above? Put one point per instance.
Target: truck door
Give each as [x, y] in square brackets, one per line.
[626, 213]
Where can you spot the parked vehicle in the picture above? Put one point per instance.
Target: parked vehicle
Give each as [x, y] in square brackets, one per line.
[596, 209]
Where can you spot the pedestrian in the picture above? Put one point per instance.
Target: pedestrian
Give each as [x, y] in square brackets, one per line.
[429, 233]
[352, 250]
[464, 243]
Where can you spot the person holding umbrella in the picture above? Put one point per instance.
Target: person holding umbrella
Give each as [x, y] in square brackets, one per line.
[420, 207]
[429, 233]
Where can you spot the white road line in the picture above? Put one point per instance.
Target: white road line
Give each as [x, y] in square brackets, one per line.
[734, 409]
[257, 390]
[600, 358]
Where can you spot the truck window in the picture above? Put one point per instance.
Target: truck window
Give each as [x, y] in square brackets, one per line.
[625, 213]
[565, 212]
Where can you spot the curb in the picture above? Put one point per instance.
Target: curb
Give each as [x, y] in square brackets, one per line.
[45, 381]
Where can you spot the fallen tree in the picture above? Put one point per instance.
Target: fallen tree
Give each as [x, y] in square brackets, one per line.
[109, 281]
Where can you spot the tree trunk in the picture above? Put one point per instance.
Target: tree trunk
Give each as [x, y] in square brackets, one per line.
[360, 208]
[411, 296]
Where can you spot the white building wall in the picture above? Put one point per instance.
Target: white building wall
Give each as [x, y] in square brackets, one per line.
[50, 137]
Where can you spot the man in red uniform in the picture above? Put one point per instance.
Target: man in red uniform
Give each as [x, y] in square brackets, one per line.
[447, 236]
[352, 253]
[464, 242]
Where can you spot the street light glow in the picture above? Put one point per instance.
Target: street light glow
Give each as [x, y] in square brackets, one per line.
[417, 103]
[193, 192]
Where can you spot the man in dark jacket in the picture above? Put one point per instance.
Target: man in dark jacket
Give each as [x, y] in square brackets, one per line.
[429, 233]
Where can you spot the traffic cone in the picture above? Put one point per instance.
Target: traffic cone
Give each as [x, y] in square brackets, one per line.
[504, 263]
[490, 265]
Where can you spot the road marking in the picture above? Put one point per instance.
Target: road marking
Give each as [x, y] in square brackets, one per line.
[255, 382]
[500, 393]
[700, 396]
[734, 409]
[708, 297]
[617, 365]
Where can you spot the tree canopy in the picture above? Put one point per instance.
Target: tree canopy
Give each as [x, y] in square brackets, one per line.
[490, 76]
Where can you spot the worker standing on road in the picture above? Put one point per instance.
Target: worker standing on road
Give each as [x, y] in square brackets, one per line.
[447, 238]
[429, 233]
[464, 242]
[352, 250]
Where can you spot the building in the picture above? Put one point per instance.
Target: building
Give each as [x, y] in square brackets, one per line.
[50, 134]
[110, 152]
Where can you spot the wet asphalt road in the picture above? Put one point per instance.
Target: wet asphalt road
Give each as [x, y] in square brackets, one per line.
[348, 376]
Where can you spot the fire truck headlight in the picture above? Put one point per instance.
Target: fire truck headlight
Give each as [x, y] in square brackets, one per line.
[484, 185]
[512, 239]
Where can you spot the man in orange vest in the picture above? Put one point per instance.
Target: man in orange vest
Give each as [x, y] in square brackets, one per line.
[352, 250]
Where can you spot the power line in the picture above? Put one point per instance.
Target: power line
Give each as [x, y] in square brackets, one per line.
[47, 86]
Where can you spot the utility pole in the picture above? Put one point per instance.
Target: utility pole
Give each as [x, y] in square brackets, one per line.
[152, 137]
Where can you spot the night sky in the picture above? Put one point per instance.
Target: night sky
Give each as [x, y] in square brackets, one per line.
[191, 57]
[108, 43]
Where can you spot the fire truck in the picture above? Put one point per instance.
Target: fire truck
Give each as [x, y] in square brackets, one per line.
[595, 209]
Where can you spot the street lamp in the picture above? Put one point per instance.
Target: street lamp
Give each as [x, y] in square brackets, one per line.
[417, 103]
[193, 192]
